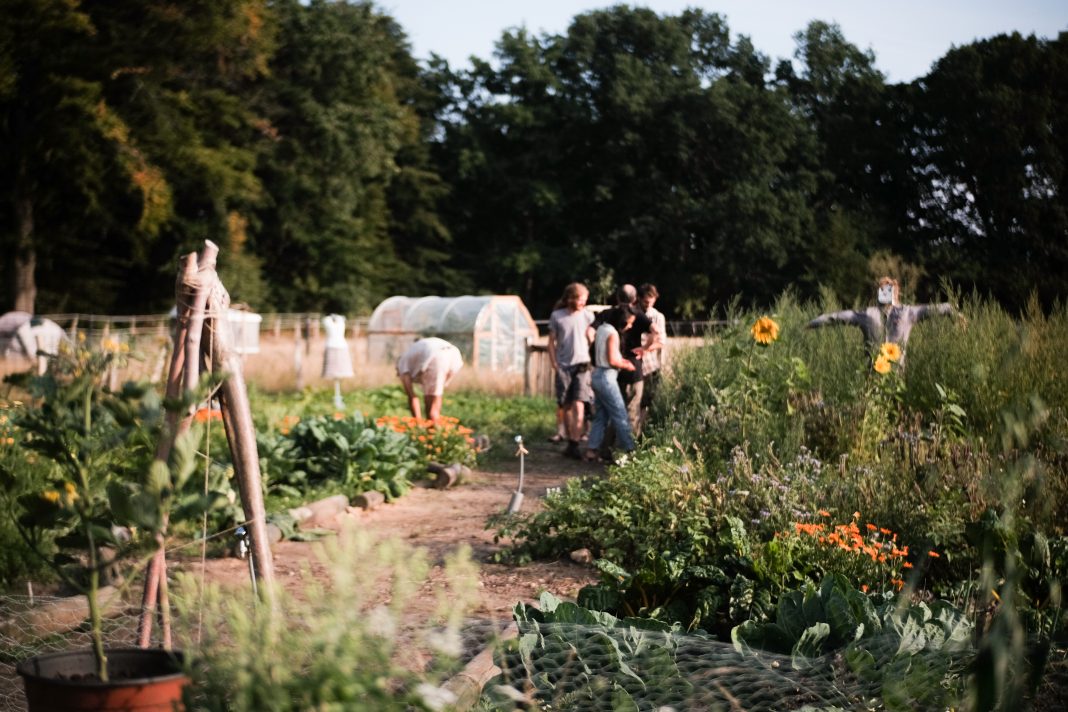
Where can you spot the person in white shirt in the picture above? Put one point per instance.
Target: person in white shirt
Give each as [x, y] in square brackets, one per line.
[431, 362]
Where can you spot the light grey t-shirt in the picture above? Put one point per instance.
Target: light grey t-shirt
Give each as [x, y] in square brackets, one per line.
[568, 330]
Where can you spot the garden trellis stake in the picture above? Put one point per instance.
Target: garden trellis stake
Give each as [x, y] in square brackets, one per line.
[517, 496]
[202, 304]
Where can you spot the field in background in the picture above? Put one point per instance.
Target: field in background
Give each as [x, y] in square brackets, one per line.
[287, 362]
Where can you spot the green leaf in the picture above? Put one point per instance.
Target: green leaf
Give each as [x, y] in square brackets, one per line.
[159, 478]
[810, 644]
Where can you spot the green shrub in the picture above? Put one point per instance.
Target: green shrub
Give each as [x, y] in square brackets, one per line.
[906, 655]
[338, 644]
[349, 454]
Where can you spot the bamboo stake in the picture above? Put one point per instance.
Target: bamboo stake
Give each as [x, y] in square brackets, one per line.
[185, 291]
[240, 434]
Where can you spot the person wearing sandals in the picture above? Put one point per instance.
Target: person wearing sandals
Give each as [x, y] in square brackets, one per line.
[608, 362]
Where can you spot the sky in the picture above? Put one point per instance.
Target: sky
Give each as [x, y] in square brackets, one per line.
[907, 36]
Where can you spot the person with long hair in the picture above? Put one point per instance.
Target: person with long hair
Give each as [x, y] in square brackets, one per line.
[569, 354]
[608, 362]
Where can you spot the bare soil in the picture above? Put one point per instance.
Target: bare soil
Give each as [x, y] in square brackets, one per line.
[439, 521]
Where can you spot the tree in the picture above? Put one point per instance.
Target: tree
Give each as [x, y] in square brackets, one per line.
[346, 142]
[121, 145]
[859, 203]
[628, 147]
[991, 154]
[62, 143]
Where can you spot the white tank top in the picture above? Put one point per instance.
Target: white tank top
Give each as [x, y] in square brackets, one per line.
[600, 345]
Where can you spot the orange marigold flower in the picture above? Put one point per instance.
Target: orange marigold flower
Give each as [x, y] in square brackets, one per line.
[864, 588]
[871, 527]
[884, 530]
[906, 565]
[933, 554]
[882, 365]
[50, 496]
[824, 513]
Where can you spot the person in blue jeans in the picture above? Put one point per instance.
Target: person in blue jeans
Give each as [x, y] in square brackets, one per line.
[607, 362]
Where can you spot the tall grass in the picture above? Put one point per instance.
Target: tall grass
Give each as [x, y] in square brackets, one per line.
[920, 458]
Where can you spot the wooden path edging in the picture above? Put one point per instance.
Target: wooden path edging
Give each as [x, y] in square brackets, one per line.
[467, 684]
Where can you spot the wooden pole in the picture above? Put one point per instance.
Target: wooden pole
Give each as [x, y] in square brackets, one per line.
[468, 683]
[185, 293]
[240, 434]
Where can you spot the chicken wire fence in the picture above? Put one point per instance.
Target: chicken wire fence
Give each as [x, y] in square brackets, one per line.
[45, 624]
[567, 666]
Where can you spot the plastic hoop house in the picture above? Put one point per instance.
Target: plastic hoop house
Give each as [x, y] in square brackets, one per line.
[490, 331]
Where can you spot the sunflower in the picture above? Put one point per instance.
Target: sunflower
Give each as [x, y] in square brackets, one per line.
[765, 331]
[890, 351]
[882, 365]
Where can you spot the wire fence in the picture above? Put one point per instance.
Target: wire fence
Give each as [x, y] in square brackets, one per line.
[35, 625]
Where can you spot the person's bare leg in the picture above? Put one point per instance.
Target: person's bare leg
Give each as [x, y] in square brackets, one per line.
[561, 430]
[409, 392]
[433, 406]
[580, 420]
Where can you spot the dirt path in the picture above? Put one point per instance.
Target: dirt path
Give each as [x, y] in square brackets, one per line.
[439, 521]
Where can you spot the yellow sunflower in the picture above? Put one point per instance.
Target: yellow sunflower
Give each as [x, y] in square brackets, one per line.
[890, 351]
[764, 331]
[882, 365]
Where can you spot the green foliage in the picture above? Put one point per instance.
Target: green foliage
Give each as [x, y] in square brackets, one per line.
[912, 655]
[20, 475]
[443, 441]
[351, 454]
[97, 449]
[335, 645]
[569, 656]
[338, 108]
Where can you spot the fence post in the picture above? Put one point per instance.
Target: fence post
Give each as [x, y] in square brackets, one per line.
[526, 366]
[298, 354]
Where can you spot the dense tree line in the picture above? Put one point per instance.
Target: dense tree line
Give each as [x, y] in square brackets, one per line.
[334, 170]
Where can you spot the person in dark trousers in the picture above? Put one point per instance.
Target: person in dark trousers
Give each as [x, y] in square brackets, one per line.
[633, 347]
[653, 354]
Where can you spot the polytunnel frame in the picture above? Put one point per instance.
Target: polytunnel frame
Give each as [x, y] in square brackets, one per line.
[486, 323]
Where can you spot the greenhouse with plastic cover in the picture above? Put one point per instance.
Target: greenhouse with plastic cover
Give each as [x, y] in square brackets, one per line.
[491, 331]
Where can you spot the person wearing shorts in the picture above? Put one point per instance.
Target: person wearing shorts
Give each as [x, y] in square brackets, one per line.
[431, 362]
[569, 353]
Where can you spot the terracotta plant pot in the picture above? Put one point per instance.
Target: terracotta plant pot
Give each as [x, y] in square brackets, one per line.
[141, 681]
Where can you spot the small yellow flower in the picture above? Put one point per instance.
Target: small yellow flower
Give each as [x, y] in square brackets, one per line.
[882, 365]
[890, 351]
[764, 331]
[110, 345]
[50, 496]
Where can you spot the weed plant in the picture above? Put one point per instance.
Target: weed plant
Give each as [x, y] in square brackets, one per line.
[350, 641]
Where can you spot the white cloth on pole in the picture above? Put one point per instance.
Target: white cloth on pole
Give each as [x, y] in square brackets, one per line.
[337, 362]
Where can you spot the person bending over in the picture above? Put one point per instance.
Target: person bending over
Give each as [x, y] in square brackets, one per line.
[431, 362]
